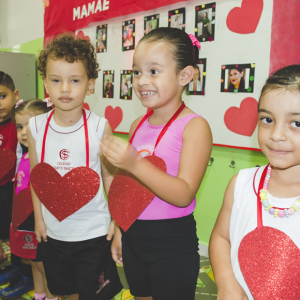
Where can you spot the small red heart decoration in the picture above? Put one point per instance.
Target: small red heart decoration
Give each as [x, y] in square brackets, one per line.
[242, 120]
[114, 116]
[245, 19]
[128, 198]
[269, 261]
[8, 160]
[80, 35]
[22, 207]
[64, 195]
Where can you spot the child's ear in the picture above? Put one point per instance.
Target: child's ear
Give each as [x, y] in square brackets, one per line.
[91, 86]
[45, 85]
[186, 75]
[16, 94]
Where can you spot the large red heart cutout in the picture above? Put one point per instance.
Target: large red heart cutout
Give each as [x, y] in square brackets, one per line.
[22, 207]
[64, 195]
[114, 116]
[245, 19]
[128, 198]
[269, 261]
[8, 160]
[242, 120]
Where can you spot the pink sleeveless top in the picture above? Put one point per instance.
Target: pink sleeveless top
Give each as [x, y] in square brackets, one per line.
[23, 174]
[168, 149]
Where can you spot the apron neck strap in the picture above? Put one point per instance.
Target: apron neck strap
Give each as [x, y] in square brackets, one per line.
[164, 130]
[260, 187]
[85, 133]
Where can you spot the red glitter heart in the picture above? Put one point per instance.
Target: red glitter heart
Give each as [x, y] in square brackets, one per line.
[269, 261]
[8, 160]
[128, 198]
[64, 195]
[22, 207]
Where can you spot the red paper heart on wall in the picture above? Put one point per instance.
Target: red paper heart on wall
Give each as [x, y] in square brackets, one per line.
[128, 198]
[242, 120]
[245, 19]
[8, 160]
[114, 116]
[64, 195]
[22, 207]
[269, 260]
[80, 35]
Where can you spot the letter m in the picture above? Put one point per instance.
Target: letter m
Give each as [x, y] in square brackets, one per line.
[76, 13]
[91, 8]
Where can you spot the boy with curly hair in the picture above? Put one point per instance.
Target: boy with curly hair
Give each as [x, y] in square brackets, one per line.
[72, 221]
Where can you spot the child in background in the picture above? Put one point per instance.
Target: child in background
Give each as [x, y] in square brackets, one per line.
[74, 236]
[259, 215]
[160, 249]
[23, 243]
[8, 143]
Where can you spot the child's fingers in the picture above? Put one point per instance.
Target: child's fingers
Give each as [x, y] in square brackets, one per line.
[44, 235]
[111, 230]
[38, 237]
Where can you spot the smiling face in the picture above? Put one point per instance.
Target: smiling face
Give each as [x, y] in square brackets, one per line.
[155, 80]
[279, 127]
[235, 77]
[7, 101]
[67, 84]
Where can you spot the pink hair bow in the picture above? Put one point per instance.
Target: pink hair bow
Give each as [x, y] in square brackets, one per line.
[195, 41]
[49, 103]
[19, 102]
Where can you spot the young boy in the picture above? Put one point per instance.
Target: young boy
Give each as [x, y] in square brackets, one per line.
[72, 220]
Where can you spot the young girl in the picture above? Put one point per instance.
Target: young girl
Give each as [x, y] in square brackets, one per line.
[254, 246]
[23, 243]
[8, 151]
[160, 248]
[67, 177]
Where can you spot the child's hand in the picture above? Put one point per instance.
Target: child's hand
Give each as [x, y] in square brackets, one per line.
[116, 246]
[40, 231]
[232, 292]
[119, 152]
[111, 230]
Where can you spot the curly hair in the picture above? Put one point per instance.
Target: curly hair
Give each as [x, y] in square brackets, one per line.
[70, 49]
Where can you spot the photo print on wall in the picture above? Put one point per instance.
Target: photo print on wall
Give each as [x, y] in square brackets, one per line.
[197, 84]
[128, 35]
[101, 38]
[108, 84]
[126, 85]
[150, 23]
[205, 21]
[237, 78]
[177, 18]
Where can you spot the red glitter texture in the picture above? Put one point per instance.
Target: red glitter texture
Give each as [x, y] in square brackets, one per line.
[270, 262]
[8, 160]
[128, 198]
[22, 207]
[64, 195]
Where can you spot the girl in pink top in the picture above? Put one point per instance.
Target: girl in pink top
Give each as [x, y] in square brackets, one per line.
[23, 242]
[160, 248]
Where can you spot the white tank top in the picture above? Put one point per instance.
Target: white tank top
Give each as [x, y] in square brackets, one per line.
[244, 217]
[65, 149]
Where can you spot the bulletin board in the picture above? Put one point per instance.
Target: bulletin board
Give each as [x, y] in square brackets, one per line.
[237, 38]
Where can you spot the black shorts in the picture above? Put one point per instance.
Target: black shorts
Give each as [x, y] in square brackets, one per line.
[6, 199]
[84, 267]
[161, 258]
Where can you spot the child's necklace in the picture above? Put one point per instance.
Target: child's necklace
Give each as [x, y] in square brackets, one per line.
[276, 211]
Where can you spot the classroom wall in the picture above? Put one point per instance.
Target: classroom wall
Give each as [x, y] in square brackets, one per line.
[210, 194]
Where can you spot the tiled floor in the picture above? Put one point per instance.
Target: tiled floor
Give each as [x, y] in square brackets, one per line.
[206, 287]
